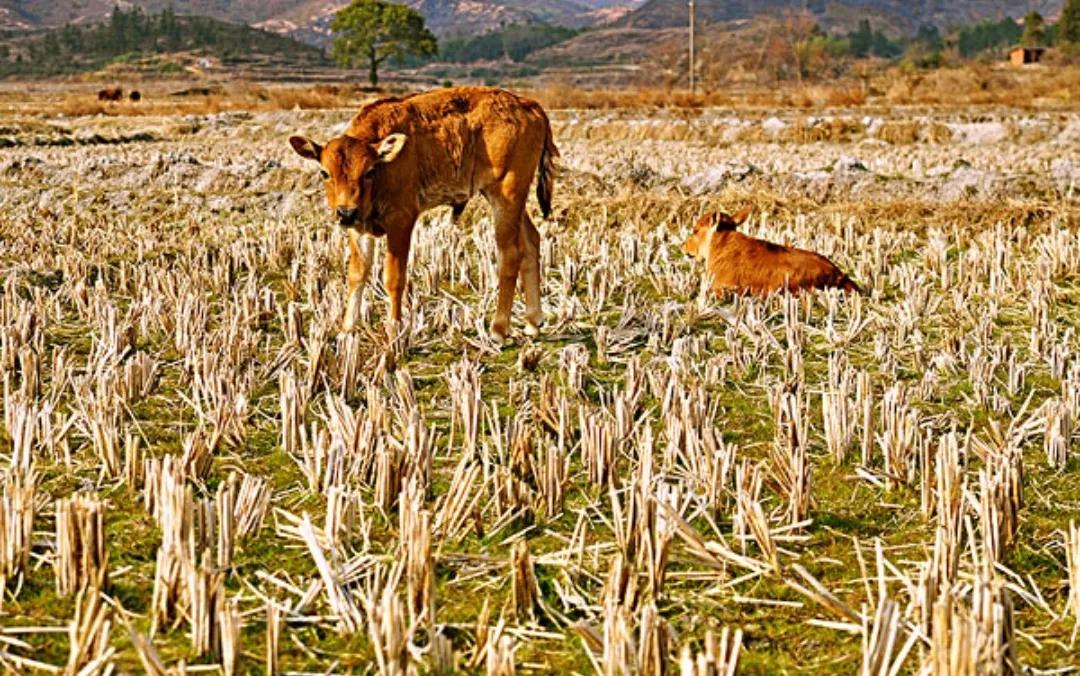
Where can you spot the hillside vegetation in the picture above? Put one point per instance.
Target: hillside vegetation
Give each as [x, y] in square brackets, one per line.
[897, 16]
[128, 33]
[514, 42]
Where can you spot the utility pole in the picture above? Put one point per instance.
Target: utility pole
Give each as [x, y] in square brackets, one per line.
[691, 46]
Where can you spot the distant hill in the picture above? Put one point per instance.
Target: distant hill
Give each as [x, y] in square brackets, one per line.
[52, 13]
[309, 20]
[135, 39]
[731, 33]
[894, 16]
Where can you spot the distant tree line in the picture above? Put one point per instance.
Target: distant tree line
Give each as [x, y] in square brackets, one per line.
[133, 32]
[987, 35]
[865, 41]
[927, 48]
[512, 43]
[924, 49]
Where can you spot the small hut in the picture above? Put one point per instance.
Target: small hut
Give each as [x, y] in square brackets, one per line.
[1022, 56]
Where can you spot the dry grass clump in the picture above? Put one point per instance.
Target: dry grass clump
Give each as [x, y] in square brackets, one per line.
[800, 130]
[971, 84]
[562, 97]
[310, 98]
[981, 85]
[172, 98]
[834, 95]
[845, 96]
[957, 86]
[833, 130]
[902, 132]
[901, 214]
[837, 94]
[17, 510]
[81, 555]
[83, 105]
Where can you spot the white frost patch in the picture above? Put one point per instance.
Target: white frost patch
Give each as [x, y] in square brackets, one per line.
[715, 177]
[773, 126]
[965, 182]
[848, 163]
[979, 133]
[1066, 173]
[1071, 132]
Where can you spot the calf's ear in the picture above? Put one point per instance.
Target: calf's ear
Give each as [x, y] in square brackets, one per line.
[741, 215]
[389, 147]
[721, 222]
[305, 147]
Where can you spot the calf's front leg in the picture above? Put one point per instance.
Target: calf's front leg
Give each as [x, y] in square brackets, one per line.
[360, 250]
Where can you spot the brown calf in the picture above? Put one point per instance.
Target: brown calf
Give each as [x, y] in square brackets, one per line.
[402, 156]
[110, 94]
[744, 264]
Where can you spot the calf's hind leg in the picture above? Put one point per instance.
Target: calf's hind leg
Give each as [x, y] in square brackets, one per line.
[394, 276]
[508, 204]
[530, 275]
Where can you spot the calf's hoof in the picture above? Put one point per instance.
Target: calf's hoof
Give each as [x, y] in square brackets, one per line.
[499, 333]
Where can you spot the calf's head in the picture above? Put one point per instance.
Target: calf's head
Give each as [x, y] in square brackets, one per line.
[348, 167]
[700, 240]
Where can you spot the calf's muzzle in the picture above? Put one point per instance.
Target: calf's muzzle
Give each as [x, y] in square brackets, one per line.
[348, 215]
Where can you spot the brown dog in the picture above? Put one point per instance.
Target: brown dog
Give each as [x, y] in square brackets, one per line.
[746, 265]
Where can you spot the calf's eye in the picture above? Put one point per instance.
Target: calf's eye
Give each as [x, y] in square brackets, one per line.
[325, 174]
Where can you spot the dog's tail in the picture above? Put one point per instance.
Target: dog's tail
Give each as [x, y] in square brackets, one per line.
[546, 175]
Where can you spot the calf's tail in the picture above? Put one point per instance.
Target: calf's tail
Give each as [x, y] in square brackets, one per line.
[546, 174]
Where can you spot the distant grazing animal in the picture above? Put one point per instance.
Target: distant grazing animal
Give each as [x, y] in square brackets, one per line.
[110, 94]
[402, 156]
[135, 95]
[743, 264]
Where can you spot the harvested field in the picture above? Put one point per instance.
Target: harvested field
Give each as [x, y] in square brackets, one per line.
[196, 470]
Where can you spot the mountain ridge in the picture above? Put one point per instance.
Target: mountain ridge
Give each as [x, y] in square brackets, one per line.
[902, 16]
[309, 20]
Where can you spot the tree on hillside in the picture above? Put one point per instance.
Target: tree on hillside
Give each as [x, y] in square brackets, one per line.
[372, 31]
[987, 34]
[925, 48]
[1068, 26]
[799, 28]
[864, 41]
[1034, 30]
